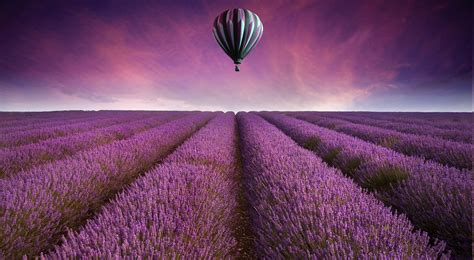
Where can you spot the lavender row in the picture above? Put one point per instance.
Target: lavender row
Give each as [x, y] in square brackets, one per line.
[459, 121]
[20, 158]
[445, 117]
[181, 209]
[436, 198]
[17, 118]
[47, 114]
[302, 209]
[57, 116]
[213, 146]
[36, 135]
[50, 123]
[39, 205]
[24, 126]
[411, 128]
[62, 121]
[443, 151]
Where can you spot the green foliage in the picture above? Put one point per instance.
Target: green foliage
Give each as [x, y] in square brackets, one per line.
[352, 165]
[389, 142]
[385, 177]
[312, 143]
[331, 155]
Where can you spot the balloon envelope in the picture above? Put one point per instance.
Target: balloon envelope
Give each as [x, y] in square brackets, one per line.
[237, 31]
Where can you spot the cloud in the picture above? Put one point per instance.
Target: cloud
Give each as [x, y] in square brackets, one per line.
[314, 55]
[89, 96]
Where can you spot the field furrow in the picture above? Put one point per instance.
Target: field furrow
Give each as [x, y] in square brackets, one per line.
[22, 119]
[66, 120]
[21, 158]
[37, 135]
[446, 152]
[459, 121]
[410, 128]
[212, 185]
[304, 209]
[39, 205]
[25, 126]
[436, 198]
[180, 209]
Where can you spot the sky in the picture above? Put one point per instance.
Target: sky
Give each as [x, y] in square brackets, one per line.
[162, 55]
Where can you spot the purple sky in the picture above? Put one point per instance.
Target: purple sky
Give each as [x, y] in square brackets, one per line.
[314, 55]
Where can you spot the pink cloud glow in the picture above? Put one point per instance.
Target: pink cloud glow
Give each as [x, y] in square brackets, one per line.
[313, 56]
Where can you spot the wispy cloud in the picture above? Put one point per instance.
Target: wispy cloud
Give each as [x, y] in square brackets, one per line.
[315, 55]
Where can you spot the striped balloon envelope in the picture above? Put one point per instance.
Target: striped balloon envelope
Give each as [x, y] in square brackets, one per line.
[237, 31]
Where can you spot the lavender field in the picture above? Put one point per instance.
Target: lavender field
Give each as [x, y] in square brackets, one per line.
[251, 185]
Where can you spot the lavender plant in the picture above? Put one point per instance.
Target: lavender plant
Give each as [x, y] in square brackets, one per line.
[443, 151]
[436, 198]
[416, 128]
[37, 206]
[15, 159]
[304, 209]
[35, 135]
[180, 209]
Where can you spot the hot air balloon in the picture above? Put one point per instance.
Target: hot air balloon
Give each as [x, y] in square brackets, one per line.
[237, 31]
